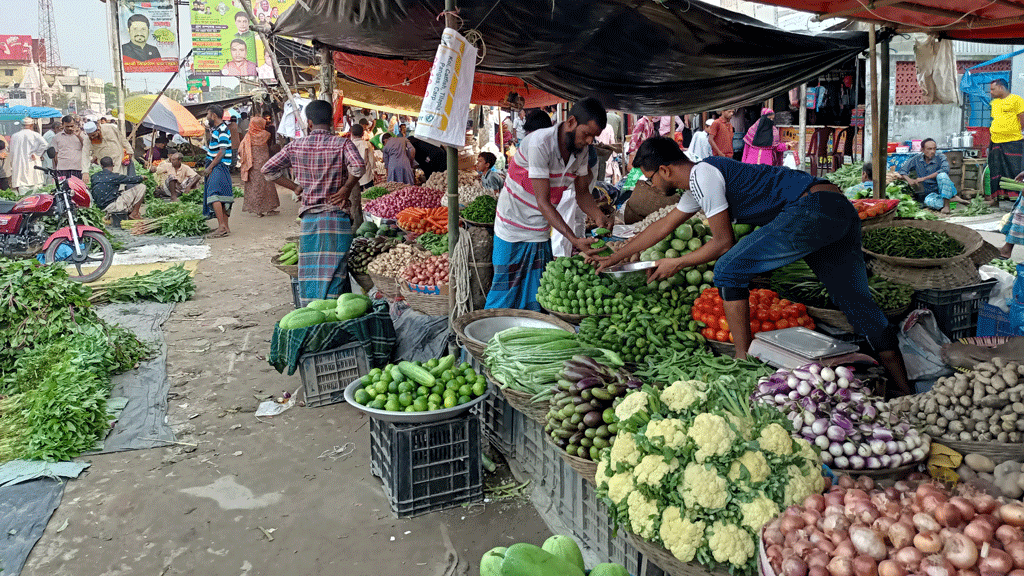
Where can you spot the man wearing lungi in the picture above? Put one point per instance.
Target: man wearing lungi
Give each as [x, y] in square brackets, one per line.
[326, 169]
[546, 163]
[1004, 151]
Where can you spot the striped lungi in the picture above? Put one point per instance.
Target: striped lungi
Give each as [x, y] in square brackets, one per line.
[1004, 161]
[323, 255]
[1014, 228]
[518, 267]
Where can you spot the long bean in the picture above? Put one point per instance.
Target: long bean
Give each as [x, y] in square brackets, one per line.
[908, 242]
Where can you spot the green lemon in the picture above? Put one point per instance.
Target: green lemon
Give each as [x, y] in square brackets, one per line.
[447, 375]
[405, 399]
[460, 379]
[435, 399]
[431, 406]
[366, 380]
[392, 397]
[420, 404]
[451, 385]
[362, 397]
[463, 399]
[392, 406]
[437, 389]
[405, 387]
[469, 373]
[465, 390]
[432, 363]
[375, 373]
[423, 392]
[380, 387]
[479, 388]
[386, 377]
[409, 408]
[464, 366]
[393, 387]
[481, 380]
[378, 404]
[450, 401]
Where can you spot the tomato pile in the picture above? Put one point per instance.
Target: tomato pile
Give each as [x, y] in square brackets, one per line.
[421, 220]
[872, 208]
[767, 313]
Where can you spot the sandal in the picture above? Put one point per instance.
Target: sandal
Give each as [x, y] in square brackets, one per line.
[218, 234]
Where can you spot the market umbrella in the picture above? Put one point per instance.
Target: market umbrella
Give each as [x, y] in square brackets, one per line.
[166, 115]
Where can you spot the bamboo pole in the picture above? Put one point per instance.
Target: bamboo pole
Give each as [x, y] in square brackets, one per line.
[801, 152]
[453, 173]
[247, 6]
[876, 146]
[115, 52]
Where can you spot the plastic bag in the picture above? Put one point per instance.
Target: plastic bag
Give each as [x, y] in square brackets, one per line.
[1002, 292]
[921, 345]
[445, 109]
[1016, 316]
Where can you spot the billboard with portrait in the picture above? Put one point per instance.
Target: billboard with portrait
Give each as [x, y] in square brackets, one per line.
[13, 47]
[149, 36]
[224, 42]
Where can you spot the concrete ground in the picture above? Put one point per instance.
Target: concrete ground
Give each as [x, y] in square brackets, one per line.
[242, 497]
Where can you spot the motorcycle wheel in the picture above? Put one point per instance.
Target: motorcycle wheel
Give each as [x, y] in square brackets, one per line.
[96, 251]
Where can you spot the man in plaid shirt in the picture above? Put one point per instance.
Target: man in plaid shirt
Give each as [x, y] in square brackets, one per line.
[326, 169]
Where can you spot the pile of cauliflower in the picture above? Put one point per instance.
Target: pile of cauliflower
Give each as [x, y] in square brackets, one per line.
[701, 476]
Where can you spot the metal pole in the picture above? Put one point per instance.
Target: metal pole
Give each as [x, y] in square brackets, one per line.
[115, 51]
[326, 62]
[277, 67]
[883, 105]
[876, 142]
[453, 172]
[801, 152]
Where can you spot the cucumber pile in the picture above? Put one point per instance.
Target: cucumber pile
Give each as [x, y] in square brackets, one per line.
[639, 335]
[288, 255]
[420, 386]
[581, 419]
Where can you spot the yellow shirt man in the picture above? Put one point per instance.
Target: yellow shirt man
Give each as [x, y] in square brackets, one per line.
[1006, 119]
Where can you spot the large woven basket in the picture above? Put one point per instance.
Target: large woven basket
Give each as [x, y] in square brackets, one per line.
[429, 304]
[664, 559]
[958, 274]
[585, 467]
[364, 281]
[985, 254]
[475, 348]
[997, 451]
[837, 319]
[881, 219]
[537, 412]
[291, 270]
[387, 286]
[971, 240]
[573, 319]
[886, 475]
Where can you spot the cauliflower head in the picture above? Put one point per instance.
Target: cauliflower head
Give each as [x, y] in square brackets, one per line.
[644, 517]
[774, 438]
[681, 395]
[756, 464]
[653, 469]
[742, 425]
[730, 543]
[800, 485]
[620, 486]
[624, 451]
[672, 431]
[712, 434]
[758, 512]
[702, 487]
[602, 473]
[680, 536]
[634, 402]
[807, 451]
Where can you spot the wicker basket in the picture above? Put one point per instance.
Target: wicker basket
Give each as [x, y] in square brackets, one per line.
[364, 281]
[723, 348]
[891, 474]
[961, 273]
[664, 559]
[878, 220]
[387, 286]
[573, 319]
[478, 224]
[985, 254]
[586, 468]
[429, 304]
[476, 349]
[837, 319]
[291, 270]
[998, 452]
[971, 240]
[538, 412]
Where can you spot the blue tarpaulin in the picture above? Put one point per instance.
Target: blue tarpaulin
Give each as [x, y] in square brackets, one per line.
[19, 112]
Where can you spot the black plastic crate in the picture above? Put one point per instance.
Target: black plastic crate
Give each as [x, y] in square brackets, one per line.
[499, 422]
[326, 374]
[955, 310]
[296, 299]
[427, 467]
[529, 443]
[595, 530]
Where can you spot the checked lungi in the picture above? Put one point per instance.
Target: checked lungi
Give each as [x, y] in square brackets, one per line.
[323, 255]
[518, 267]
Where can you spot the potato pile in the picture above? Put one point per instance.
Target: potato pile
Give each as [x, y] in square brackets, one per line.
[983, 405]
[393, 262]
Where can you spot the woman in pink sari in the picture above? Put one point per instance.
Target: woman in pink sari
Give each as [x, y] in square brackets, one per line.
[761, 145]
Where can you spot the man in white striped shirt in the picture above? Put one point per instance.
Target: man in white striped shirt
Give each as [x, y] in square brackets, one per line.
[549, 163]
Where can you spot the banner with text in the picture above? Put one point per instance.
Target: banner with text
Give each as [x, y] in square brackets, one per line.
[149, 33]
[224, 42]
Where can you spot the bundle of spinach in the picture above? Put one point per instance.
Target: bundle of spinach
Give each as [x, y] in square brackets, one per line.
[848, 175]
[187, 221]
[157, 208]
[192, 197]
[174, 284]
[797, 282]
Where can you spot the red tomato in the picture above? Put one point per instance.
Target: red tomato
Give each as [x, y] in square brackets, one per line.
[767, 326]
[775, 314]
[730, 337]
[762, 314]
[755, 327]
[801, 309]
[784, 302]
[783, 323]
[801, 320]
[722, 336]
[723, 324]
[708, 333]
[810, 324]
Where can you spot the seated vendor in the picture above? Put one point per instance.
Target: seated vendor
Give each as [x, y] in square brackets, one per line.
[932, 173]
[175, 178]
[866, 182]
[106, 191]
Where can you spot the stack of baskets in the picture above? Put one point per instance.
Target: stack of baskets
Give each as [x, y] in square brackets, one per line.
[934, 273]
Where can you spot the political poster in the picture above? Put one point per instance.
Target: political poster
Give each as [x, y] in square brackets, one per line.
[149, 36]
[14, 47]
[224, 42]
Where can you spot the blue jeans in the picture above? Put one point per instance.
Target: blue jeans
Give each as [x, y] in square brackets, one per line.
[824, 230]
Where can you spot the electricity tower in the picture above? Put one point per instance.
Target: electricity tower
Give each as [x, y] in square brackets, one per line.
[48, 34]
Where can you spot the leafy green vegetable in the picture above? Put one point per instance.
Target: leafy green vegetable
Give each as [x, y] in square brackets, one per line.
[188, 221]
[436, 243]
[848, 175]
[907, 242]
[374, 193]
[482, 209]
[173, 284]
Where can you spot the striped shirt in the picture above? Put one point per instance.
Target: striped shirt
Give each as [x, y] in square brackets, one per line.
[538, 157]
[220, 138]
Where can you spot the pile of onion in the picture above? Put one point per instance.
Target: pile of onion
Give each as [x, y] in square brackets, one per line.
[914, 527]
[430, 272]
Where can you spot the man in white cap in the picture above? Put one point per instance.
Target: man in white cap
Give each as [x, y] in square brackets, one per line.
[27, 148]
[700, 146]
[107, 140]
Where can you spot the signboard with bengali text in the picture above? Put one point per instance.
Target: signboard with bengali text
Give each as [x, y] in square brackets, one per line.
[224, 42]
[149, 36]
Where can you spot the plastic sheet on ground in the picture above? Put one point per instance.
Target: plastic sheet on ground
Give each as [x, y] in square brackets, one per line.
[146, 387]
[24, 511]
[420, 337]
[18, 471]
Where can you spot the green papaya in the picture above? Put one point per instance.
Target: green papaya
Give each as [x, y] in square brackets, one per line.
[322, 305]
[352, 309]
[528, 560]
[608, 569]
[490, 562]
[565, 548]
[302, 318]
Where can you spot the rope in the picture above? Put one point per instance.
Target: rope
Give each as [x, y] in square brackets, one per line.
[459, 262]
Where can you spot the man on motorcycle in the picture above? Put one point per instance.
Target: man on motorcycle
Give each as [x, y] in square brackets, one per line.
[106, 191]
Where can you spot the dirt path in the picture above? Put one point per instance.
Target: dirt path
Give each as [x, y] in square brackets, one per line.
[212, 509]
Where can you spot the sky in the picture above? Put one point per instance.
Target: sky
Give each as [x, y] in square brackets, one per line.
[82, 35]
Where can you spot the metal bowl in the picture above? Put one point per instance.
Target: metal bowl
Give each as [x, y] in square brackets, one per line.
[630, 273]
[484, 329]
[411, 417]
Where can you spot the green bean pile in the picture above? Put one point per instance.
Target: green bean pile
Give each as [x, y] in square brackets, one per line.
[908, 242]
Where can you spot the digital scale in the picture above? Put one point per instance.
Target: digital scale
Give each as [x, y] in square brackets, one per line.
[794, 347]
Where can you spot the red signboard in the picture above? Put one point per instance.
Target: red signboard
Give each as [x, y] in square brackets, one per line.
[15, 48]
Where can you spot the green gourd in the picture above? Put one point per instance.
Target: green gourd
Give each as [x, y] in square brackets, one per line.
[528, 560]
[565, 548]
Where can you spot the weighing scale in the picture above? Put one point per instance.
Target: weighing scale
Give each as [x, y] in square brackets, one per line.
[794, 347]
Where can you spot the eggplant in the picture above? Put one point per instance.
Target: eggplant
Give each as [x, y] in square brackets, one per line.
[589, 383]
[574, 373]
[588, 361]
[575, 438]
[593, 419]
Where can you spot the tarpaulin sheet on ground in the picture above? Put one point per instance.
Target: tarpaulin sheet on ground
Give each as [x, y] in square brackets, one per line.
[642, 57]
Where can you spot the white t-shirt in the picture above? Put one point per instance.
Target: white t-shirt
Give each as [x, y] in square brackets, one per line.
[707, 191]
[538, 157]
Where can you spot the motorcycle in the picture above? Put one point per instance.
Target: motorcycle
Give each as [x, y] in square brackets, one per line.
[23, 231]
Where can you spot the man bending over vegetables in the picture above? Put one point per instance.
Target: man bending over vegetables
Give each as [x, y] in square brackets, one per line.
[549, 163]
[800, 217]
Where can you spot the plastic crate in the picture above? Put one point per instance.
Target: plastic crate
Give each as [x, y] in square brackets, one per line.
[955, 310]
[993, 322]
[295, 293]
[529, 442]
[427, 467]
[499, 422]
[595, 530]
[326, 374]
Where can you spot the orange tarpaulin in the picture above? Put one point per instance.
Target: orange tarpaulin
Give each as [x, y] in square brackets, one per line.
[410, 77]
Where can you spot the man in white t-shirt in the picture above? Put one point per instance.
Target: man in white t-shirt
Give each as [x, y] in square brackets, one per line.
[549, 163]
[800, 217]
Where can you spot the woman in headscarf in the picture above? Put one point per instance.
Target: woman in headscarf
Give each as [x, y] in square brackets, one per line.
[762, 144]
[399, 156]
[260, 195]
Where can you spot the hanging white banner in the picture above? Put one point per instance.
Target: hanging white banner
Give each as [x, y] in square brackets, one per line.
[445, 111]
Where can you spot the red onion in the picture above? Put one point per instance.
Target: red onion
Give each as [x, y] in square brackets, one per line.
[867, 542]
[815, 502]
[997, 562]
[817, 571]
[961, 551]
[846, 482]
[909, 558]
[865, 566]
[1012, 514]
[840, 566]
[979, 531]
[964, 505]
[389, 205]
[928, 542]
[818, 558]
[890, 568]
[926, 523]
[794, 567]
[901, 534]
[948, 514]
[1007, 533]
[936, 565]
[1015, 549]
[984, 504]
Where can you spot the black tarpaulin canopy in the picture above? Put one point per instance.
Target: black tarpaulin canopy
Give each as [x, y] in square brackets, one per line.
[641, 56]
